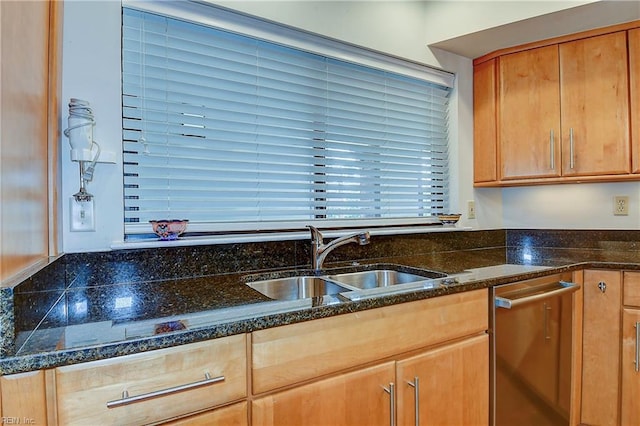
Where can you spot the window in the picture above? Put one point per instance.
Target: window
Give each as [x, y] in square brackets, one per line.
[237, 133]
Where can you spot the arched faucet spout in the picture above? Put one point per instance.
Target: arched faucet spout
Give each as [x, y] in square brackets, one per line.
[319, 250]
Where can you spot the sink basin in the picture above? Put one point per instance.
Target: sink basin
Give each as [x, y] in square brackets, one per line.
[379, 278]
[293, 288]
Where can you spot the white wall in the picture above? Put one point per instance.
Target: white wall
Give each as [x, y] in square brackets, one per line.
[91, 71]
[579, 206]
[450, 19]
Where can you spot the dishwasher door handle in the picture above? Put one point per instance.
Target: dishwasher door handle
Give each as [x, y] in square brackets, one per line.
[565, 287]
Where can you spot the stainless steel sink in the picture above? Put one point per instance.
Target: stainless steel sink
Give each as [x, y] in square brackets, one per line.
[378, 278]
[293, 288]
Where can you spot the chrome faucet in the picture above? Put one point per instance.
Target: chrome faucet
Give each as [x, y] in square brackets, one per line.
[319, 250]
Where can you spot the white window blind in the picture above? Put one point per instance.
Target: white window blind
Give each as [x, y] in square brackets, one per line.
[236, 133]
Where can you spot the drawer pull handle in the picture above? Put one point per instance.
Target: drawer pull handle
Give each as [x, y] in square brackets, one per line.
[126, 399]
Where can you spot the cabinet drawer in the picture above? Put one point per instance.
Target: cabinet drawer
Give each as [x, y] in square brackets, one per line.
[173, 379]
[631, 289]
[297, 352]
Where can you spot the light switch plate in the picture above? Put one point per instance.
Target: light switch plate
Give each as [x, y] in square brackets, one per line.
[82, 215]
[471, 209]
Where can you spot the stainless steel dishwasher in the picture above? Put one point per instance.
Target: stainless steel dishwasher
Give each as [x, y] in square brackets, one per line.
[531, 351]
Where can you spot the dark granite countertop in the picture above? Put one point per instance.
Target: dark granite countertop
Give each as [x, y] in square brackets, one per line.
[104, 321]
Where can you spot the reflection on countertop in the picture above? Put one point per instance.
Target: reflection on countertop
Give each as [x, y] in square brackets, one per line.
[94, 316]
[492, 272]
[97, 333]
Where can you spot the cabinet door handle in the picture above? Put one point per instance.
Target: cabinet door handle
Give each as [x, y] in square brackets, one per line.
[637, 360]
[126, 399]
[416, 396]
[552, 154]
[391, 390]
[546, 308]
[571, 160]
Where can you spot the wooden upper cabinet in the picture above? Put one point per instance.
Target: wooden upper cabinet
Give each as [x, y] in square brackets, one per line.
[529, 114]
[484, 122]
[29, 70]
[594, 92]
[565, 110]
[634, 83]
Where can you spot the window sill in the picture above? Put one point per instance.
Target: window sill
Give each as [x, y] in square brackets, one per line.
[264, 237]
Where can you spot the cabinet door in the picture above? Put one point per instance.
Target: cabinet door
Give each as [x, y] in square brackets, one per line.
[594, 95]
[27, 73]
[24, 398]
[453, 385]
[357, 398]
[484, 122]
[630, 412]
[529, 114]
[600, 347]
[232, 415]
[631, 288]
[634, 82]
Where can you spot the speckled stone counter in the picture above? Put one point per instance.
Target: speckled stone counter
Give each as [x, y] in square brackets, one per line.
[92, 306]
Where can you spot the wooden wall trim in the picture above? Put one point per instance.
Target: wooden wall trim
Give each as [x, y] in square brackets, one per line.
[556, 40]
[55, 124]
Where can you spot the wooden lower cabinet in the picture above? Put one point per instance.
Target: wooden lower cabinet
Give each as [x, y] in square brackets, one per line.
[630, 367]
[232, 415]
[600, 347]
[350, 369]
[153, 386]
[355, 398]
[630, 408]
[334, 371]
[295, 353]
[447, 385]
[24, 399]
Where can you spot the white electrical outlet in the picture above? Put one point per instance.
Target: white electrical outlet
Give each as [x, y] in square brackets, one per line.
[82, 215]
[471, 209]
[621, 205]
